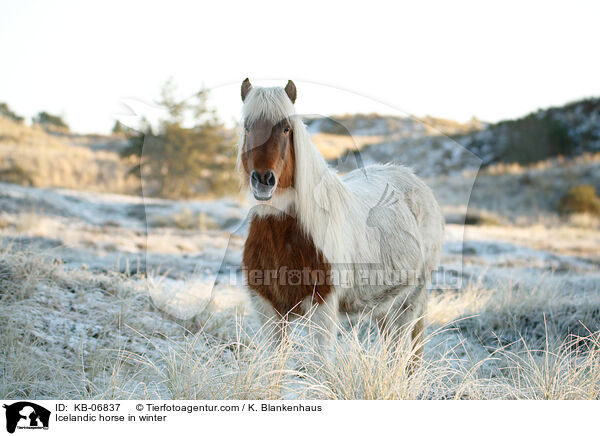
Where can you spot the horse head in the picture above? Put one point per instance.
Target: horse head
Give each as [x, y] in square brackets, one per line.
[267, 154]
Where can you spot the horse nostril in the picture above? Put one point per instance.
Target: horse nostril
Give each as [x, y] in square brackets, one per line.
[270, 178]
[255, 177]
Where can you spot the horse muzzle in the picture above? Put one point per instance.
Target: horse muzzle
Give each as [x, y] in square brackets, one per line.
[263, 185]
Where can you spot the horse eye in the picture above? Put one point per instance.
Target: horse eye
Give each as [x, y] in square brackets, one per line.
[286, 130]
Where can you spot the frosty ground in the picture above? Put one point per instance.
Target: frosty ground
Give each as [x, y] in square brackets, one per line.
[96, 303]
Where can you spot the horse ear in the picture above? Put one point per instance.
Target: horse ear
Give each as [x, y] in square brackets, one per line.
[246, 87]
[290, 90]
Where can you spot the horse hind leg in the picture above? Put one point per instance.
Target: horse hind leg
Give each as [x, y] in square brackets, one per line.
[402, 327]
[418, 343]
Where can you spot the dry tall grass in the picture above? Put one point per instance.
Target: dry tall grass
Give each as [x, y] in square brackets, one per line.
[82, 334]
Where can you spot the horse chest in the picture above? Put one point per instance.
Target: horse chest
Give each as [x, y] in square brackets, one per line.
[282, 264]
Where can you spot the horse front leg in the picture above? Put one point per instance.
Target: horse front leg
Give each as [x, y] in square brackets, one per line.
[273, 326]
[323, 323]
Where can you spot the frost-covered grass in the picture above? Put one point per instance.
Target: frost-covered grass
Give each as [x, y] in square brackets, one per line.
[72, 333]
[95, 302]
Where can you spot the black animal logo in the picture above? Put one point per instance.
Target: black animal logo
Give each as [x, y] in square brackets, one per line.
[29, 415]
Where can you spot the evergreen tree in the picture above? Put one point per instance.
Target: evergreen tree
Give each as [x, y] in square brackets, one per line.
[46, 119]
[6, 111]
[189, 154]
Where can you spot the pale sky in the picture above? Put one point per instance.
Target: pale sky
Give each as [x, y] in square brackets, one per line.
[447, 59]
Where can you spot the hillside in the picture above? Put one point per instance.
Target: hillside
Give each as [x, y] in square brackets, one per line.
[567, 130]
[336, 135]
[437, 146]
[34, 156]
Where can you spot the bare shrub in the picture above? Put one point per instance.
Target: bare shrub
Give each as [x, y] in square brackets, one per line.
[580, 199]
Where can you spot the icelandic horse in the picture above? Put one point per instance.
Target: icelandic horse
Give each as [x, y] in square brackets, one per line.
[310, 227]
